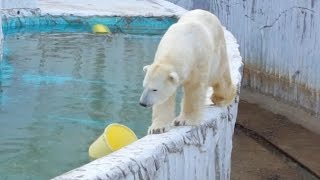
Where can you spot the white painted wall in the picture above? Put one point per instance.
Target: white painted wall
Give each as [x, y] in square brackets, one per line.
[12, 4]
[183, 153]
[279, 41]
[146, 8]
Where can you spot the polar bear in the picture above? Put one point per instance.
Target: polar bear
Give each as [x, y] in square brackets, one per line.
[192, 54]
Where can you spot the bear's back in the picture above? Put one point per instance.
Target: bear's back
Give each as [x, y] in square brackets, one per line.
[184, 40]
[207, 20]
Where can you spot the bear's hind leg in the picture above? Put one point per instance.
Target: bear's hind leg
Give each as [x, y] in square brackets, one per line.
[224, 91]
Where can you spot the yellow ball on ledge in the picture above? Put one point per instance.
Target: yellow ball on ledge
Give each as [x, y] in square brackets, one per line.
[101, 29]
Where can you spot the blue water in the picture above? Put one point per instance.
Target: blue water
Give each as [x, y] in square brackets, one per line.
[58, 91]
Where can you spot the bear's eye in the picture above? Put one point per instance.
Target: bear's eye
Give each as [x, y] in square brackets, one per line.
[154, 90]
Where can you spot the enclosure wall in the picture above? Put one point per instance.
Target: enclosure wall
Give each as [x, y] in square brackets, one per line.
[280, 44]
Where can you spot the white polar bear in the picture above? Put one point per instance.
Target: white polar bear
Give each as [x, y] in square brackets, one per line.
[192, 53]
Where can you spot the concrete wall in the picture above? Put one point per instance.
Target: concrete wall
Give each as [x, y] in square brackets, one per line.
[13, 4]
[193, 4]
[279, 41]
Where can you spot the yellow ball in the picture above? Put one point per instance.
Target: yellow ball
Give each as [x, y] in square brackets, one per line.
[102, 29]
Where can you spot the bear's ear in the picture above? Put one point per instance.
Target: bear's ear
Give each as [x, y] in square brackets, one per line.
[174, 77]
[145, 68]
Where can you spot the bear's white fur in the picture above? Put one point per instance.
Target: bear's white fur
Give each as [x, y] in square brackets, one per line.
[192, 53]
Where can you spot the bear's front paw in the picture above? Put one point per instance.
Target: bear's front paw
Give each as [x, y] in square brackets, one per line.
[183, 121]
[158, 129]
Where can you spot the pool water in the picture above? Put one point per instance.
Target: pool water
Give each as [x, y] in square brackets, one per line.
[58, 91]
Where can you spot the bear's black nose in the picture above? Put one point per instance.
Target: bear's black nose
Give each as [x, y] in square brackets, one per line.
[143, 104]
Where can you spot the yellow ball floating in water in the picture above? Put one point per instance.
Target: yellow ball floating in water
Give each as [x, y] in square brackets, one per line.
[101, 29]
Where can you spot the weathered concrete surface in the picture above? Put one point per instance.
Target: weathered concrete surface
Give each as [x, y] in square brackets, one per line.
[279, 41]
[97, 7]
[193, 4]
[149, 8]
[252, 161]
[182, 153]
[14, 4]
[296, 141]
[294, 114]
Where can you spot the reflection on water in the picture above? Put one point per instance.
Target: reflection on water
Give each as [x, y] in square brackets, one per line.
[59, 91]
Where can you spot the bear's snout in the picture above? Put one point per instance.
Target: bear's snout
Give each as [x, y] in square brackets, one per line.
[145, 100]
[143, 104]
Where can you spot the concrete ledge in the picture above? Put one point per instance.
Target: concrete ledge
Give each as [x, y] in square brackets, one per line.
[125, 8]
[10, 4]
[142, 16]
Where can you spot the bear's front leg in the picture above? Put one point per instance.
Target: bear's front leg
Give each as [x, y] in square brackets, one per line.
[162, 116]
[192, 105]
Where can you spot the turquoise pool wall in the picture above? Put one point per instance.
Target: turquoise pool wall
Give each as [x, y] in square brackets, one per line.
[130, 25]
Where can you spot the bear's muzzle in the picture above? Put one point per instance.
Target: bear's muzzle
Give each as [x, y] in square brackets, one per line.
[144, 99]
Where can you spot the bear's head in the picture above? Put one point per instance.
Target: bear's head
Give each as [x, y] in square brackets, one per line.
[160, 82]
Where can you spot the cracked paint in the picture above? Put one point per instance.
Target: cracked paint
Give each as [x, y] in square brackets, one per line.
[14, 4]
[284, 13]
